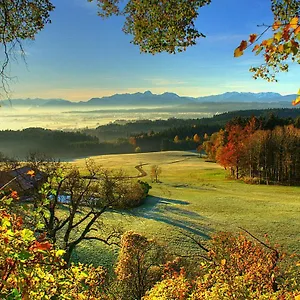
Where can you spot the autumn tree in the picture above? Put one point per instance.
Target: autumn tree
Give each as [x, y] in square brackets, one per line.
[212, 144]
[235, 267]
[229, 156]
[196, 138]
[244, 268]
[176, 139]
[139, 265]
[257, 154]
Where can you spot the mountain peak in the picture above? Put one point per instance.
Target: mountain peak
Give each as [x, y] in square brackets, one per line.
[148, 93]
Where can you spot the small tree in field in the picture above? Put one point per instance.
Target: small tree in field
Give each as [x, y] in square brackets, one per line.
[137, 150]
[155, 173]
[176, 139]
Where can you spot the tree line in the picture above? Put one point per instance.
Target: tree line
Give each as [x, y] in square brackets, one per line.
[260, 152]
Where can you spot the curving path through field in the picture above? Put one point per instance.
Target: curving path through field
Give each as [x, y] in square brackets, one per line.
[143, 173]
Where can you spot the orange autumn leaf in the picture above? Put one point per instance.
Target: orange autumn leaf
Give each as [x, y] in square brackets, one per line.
[256, 47]
[276, 25]
[31, 173]
[252, 38]
[238, 52]
[287, 27]
[14, 194]
[264, 43]
[280, 48]
[41, 246]
[297, 30]
[19, 221]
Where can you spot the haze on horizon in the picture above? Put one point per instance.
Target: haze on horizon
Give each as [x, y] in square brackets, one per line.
[80, 56]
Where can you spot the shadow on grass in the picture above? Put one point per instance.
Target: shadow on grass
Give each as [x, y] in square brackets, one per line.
[169, 211]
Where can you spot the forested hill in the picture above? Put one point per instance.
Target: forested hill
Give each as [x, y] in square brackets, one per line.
[123, 129]
[263, 113]
[121, 137]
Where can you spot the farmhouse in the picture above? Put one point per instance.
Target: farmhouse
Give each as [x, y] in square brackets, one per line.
[22, 180]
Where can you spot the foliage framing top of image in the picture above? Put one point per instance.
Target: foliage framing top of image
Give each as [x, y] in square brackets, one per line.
[160, 26]
[20, 20]
[157, 26]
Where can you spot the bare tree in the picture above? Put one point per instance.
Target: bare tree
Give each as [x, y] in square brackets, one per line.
[70, 205]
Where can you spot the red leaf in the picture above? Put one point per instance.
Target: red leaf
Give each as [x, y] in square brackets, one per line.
[252, 38]
[243, 45]
[41, 246]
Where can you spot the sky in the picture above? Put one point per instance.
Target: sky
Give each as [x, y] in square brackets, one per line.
[79, 56]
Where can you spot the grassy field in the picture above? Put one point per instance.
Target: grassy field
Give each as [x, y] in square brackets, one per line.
[194, 196]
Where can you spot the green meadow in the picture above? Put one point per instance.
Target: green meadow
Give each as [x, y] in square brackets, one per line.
[196, 198]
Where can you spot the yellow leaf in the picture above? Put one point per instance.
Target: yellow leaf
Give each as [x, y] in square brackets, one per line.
[278, 36]
[223, 262]
[294, 23]
[60, 253]
[238, 52]
[297, 297]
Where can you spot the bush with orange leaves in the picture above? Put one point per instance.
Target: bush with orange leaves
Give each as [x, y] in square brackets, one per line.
[236, 268]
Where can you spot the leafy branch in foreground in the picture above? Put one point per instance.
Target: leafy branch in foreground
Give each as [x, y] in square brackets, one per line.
[158, 26]
[282, 47]
[30, 267]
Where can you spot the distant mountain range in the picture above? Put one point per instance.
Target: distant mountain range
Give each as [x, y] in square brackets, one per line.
[147, 99]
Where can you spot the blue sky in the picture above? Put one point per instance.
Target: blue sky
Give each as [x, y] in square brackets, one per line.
[80, 56]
